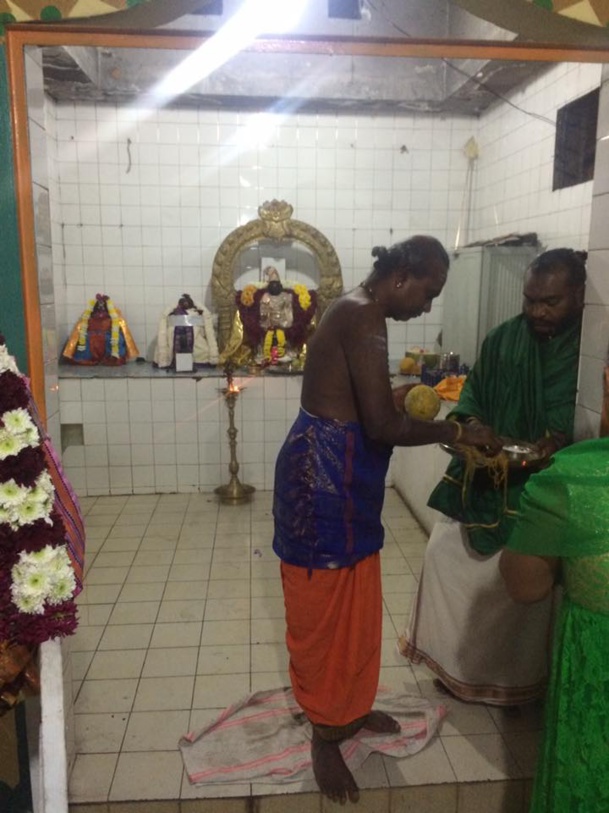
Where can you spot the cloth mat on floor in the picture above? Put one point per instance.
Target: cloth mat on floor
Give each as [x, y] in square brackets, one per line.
[266, 736]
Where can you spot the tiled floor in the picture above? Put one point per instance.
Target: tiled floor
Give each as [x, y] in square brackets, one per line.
[182, 615]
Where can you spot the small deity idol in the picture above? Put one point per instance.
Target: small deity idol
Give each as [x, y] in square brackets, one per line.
[276, 316]
[276, 319]
[186, 328]
[101, 336]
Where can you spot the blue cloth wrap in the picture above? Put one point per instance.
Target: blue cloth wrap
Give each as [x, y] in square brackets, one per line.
[329, 492]
[85, 355]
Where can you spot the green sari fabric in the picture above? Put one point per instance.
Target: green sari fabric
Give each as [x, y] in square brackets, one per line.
[524, 389]
[564, 512]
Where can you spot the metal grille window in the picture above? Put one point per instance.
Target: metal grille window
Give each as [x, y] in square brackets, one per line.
[575, 146]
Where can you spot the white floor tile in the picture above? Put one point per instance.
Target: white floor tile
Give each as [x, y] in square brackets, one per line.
[151, 775]
[178, 661]
[99, 733]
[155, 730]
[183, 615]
[224, 660]
[480, 757]
[91, 777]
[164, 693]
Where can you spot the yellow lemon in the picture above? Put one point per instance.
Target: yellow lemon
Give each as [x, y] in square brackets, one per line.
[422, 402]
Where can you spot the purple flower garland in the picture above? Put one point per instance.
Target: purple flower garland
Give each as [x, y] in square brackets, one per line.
[296, 335]
[24, 468]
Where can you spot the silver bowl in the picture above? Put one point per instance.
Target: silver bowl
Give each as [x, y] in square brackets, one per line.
[520, 453]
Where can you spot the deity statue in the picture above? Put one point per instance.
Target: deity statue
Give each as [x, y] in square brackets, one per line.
[186, 328]
[101, 336]
[272, 322]
[276, 316]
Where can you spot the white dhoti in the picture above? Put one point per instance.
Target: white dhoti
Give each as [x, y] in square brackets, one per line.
[464, 626]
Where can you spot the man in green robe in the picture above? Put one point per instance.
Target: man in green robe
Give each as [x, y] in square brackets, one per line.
[523, 385]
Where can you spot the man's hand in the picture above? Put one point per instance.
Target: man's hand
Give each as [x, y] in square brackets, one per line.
[548, 446]
[477, 434]
[399, 393]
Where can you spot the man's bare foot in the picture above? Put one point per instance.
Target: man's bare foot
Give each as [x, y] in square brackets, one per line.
[331, 774]
[381, 723]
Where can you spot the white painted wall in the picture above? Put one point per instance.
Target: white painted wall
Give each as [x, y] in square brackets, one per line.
[513, 190]
[595, 334]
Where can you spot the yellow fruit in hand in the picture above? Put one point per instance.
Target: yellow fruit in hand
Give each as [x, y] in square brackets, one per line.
[422, 402]
[408, 366]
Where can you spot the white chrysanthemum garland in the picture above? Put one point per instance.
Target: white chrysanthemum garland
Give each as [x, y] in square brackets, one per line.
[37, 581]
[42, 578]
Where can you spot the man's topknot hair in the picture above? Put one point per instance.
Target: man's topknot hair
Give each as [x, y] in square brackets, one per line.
[573, 261]
[413, 254]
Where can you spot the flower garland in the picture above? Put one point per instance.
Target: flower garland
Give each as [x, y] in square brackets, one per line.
[84, 325]
[114, 319]
[304, 297]
[115, 331]
[37, 581]
[267, 350]
[247, 295]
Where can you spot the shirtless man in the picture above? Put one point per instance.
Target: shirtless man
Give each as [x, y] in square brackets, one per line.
[329, 489]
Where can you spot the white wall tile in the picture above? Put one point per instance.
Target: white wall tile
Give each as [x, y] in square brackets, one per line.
[120, 432]
[121, 479]
[601, 167]
[595, 331]
[96, 456]
[149, 232]
[599, 233]
[163, 411]
[119, 455]
[74, 456]
[140, 414]
[70, 390]
[165, 478]
[71, 411]
[590, 378]
[143, 477]
[597, 285]
[587, 423]
[187, 454]
[94, 412]
[185, 411]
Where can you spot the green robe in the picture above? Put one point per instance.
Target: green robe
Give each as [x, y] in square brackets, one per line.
[524, 389]
[564, 512]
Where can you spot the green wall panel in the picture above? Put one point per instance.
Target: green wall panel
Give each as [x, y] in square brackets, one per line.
[12, 323]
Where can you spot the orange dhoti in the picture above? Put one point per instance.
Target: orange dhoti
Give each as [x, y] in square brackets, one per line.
[334, 632]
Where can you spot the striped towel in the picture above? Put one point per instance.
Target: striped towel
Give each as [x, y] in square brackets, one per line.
[266, 737]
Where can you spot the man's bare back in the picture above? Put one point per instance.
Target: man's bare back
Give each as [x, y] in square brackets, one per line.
[351, 338]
